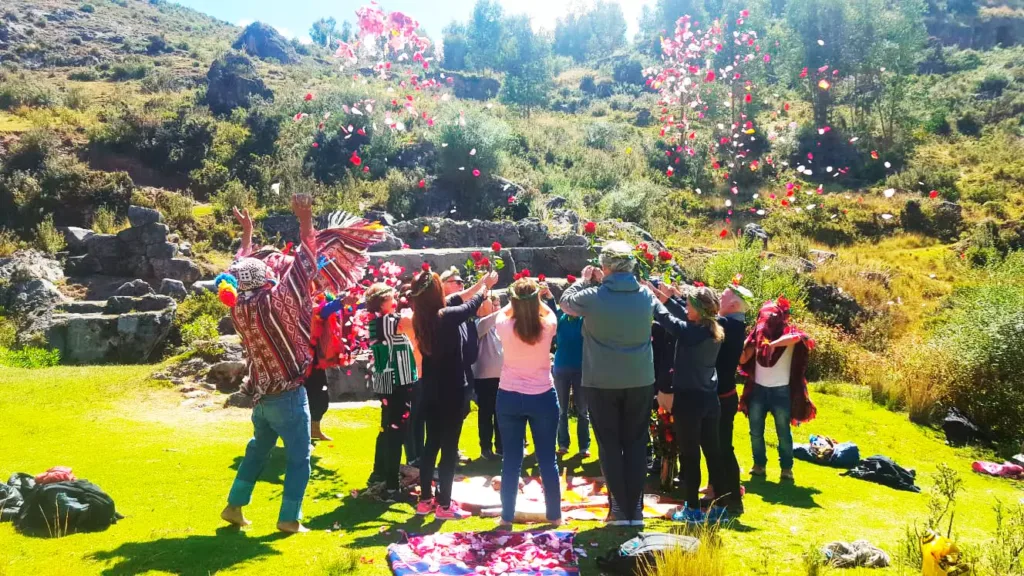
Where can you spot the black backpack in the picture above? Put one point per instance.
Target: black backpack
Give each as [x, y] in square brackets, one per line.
[636, 554]
[65, 508]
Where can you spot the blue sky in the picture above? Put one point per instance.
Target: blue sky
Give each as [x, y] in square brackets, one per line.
[294, 18]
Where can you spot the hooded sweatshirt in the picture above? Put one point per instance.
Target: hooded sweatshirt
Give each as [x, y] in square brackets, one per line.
[616, 331]
[696, 354]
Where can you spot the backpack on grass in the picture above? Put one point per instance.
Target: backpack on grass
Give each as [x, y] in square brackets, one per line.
[635, 554]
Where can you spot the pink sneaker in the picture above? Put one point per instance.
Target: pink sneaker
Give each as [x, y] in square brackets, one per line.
[424, 507]
[452, 512]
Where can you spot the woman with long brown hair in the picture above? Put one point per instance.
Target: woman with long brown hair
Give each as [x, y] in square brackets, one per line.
[526, 395]
[692, 396]
[443, 384]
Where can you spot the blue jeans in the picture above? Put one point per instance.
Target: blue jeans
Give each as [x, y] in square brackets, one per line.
[566, 380]
[284, 415]
[515, 410]
[776, 401]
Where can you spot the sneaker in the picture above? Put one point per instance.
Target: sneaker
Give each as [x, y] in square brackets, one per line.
[734, 506]
[717, 514]
[424, 507]
[585, 454]
[452, 512]
[690, 515]
[488, 455]
[615, 517]
[786, 476]
[758, 471]
[562, 451]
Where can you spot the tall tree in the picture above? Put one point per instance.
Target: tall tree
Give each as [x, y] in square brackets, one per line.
[594, 33]
[484, 35]
[455, 45]
[324, 30]
[526, 59]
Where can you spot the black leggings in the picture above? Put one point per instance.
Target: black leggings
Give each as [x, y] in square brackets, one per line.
[487, 420]
[316, 390]
[394, 419]
[443, 413]
[730, 489]
[696, 416]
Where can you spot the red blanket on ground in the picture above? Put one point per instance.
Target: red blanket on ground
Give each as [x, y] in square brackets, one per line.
[547, 553]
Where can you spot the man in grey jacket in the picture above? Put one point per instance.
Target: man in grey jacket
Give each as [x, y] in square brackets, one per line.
[618, 372]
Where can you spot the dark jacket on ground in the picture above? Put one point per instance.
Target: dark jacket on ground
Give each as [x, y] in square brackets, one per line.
[732, 348]
[696, 353]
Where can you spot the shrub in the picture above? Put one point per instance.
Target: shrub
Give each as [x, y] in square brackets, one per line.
[968, 125]
[587, 84]
[76, 99]
[87, 8]
[601, 135]
[233, 195]
[17, 92]
[937, 123]
[197, 305]
[201, 336]
[157, 45]
[9, 243]
[490, 137]
[766, 278]
[29, 357]
[981, 330]
[628, 71]
[992, 85]
[161, 81]
[630, 202]
[48, 239]
[129, 70]
[105, 221]
[84, 75]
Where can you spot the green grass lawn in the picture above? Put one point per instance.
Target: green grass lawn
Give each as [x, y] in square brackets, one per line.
[169, 469]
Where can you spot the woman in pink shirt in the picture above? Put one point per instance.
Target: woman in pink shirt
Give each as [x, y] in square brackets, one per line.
[526, 394]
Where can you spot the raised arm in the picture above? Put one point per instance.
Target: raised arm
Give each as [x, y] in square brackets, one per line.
[299, 276]
[485, 324]
[245, 221]
[578, 299]
[785, 341]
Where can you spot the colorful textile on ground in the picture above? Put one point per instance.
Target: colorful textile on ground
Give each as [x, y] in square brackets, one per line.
[547, 553]
[1004, 470]
[859, 554]
[275, 326]
[772, 324]
[582, 499]
[826, 451]
[394, 363]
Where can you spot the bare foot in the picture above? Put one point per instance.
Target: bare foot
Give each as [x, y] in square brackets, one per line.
[233, 515]
[317, 434]
[292, 527]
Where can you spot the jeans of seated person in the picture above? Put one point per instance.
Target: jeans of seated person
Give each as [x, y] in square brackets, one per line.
[621, 419]
[566, 383]
[285, 416]
[776, 402]
[540, 411]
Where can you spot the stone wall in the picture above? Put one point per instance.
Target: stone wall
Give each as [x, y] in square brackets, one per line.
[124, 329]
[140, 251]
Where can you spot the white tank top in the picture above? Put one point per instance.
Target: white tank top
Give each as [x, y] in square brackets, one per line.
[778, 375]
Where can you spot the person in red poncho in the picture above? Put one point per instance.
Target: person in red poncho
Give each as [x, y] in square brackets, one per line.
[775, 360]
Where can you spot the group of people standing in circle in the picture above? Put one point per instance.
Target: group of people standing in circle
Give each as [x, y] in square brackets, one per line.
[453, 339]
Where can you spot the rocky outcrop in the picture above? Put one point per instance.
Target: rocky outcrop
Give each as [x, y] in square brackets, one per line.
[263, 41]
[141, 251]
[28, 291]
[173, 288]
[834, 306]
[226, 375]
[134, 288]
[75, 238]
[124, 329]
[232, 82]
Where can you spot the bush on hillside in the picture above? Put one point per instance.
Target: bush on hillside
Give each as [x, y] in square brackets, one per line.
[766, 278]
[630, 202]
[173, 145]
[129, 70]
[19, 91]
[48, 239]
[981, 329]
[489, 136]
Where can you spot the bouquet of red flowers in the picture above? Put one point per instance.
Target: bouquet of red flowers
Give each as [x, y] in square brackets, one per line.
[663, 435]
[478, 264]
